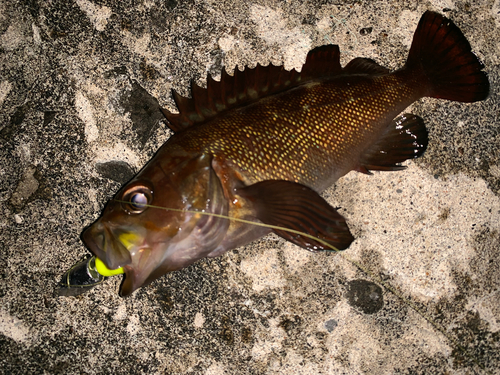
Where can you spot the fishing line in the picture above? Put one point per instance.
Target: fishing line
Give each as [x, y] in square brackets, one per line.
[362, 268]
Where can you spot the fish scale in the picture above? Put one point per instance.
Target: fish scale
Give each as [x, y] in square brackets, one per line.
[259, 146]
[312, 135]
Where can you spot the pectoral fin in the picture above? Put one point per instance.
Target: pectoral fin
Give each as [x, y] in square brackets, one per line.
[294, 206]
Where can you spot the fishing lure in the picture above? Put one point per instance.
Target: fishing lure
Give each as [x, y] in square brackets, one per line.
[83, 276]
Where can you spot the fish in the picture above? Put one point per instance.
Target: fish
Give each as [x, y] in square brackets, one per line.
[260, 146]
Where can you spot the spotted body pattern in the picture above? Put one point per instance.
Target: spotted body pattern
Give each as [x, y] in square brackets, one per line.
[303, 135]
[262, 144]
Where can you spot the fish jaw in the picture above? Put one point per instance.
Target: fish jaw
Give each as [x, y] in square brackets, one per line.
[138, 251]
[198, 236]
[168, 230]
[151, 261]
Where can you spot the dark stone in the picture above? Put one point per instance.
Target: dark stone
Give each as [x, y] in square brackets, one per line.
[115, 170]
[366, 30]
[365, 296]
[15, 121]
[330, 325]
[144, 112]
[48, 116]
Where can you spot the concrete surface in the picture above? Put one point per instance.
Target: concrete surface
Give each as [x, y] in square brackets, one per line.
[78, 82]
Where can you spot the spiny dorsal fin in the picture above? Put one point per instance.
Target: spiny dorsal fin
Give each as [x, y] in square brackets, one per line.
[248, 86]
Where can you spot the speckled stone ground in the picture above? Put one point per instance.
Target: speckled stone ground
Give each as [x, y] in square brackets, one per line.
[78, 82]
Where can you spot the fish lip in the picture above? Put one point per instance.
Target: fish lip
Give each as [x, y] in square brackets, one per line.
[87, 238]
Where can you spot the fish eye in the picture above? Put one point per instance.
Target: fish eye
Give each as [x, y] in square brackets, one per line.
[137, 199]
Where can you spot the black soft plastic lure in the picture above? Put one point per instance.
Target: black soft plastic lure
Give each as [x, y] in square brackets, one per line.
[80, 278]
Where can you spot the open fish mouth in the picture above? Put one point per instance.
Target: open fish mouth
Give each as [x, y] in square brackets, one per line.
[112, 249]
[122, 248]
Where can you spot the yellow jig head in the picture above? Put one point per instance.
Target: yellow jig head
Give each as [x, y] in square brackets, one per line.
[105, 271]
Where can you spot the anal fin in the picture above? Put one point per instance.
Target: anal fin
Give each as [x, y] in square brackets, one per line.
[406, 138]
[294, 206]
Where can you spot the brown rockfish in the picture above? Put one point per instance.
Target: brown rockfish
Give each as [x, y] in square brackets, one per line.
[262, 144]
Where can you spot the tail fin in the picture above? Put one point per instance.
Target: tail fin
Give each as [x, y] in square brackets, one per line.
[444, 54]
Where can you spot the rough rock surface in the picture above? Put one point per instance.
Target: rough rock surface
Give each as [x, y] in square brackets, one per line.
[80, 86]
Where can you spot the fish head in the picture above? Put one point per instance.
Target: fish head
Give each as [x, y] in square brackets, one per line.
[158, 222]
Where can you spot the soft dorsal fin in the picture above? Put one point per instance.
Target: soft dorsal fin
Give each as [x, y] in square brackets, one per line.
[361, 65]
[322, 62]
[248, 86]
